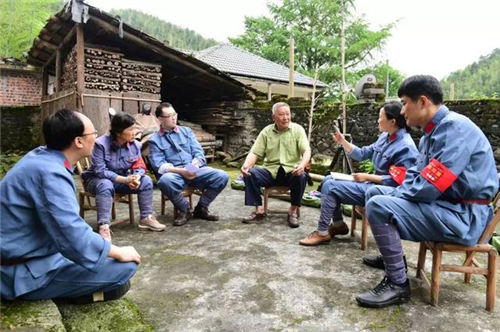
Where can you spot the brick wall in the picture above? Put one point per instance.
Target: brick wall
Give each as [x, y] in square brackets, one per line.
[20, 87]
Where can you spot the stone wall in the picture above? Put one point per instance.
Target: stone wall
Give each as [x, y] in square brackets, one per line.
[20, 128]
[362, 123]
[20, 87]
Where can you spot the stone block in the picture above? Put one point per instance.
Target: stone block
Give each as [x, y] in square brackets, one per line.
[30, 315]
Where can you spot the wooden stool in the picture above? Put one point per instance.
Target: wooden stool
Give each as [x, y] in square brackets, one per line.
[89, 205]
[188, 192]
[276, 192]
[470, 265]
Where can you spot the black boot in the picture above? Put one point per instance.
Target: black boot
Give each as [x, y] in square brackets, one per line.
[182, 217]
[203, 213]
[384, 294]
[377, 261]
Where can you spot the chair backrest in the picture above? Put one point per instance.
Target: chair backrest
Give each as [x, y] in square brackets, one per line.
[492, 225]
[82, 165]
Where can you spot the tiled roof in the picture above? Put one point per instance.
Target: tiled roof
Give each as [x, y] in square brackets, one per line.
[233, 60]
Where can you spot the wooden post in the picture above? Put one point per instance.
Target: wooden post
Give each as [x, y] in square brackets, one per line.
[80, 63]
[452, 91]
[313, 103]
[57, 81]
[269, 92]
[342, 66]
[45, 80]
[292, 67]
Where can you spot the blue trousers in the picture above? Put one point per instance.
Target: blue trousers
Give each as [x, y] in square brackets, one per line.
[392, 219]
[72, 280]
[105, 189]
[261, 177]
[347, 192]
[207, 178]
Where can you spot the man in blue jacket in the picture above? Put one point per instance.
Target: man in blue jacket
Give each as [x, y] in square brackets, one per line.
[445, 197]
[47, 249]
[178, 158]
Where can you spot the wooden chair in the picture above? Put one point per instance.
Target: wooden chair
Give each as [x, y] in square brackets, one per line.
[87, 204]
[276, 192]
[188, 192]
[470, 265]
[356, 209]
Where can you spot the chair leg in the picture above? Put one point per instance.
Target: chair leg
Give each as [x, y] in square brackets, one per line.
[421, 260]
[130, 208]
[491, 281]
[162, 209]
[436, 275]
[190, 197]
[266, 198]
[467, 276]
[113, 210]
[353, 220]
[82, 205]
[364, 231]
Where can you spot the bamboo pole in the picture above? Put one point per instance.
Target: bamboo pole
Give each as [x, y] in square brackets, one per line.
[291, 71]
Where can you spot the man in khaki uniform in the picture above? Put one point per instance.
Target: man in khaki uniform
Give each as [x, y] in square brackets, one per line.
[286, 152]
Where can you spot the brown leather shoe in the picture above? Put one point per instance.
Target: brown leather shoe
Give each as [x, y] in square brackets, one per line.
[182, 218]
[315, 239]
[293, 220]
[341, 229]
[253, 218]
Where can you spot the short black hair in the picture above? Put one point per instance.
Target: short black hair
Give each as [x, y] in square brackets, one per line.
[393, 111]
[159, 108]
[422, 85]
[120, 122]
[61, 128]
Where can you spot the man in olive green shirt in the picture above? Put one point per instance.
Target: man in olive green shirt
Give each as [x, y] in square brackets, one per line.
[286, 152]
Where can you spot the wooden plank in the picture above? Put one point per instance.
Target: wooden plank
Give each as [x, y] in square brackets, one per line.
[57, 81]
[80, 64]
[97, 110]
[131, 106]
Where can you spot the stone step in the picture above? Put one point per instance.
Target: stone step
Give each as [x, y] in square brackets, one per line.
[30, 315]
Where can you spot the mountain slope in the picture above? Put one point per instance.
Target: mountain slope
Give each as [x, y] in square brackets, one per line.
[168, 33]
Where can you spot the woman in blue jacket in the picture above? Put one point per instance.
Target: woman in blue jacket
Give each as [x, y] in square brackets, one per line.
[117, 166]
[392, 153]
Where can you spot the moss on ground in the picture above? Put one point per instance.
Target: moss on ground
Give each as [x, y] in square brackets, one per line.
[27, 315]
[119, 315]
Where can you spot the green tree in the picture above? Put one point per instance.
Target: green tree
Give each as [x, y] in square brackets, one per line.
[168, 33]
[478, 80]
[315, 27]
[21, 21]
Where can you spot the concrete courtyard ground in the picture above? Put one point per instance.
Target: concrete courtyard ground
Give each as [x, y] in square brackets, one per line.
[228, 276]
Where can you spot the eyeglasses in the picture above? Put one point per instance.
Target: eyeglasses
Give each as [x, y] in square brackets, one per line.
[94, 133]
[167, 116]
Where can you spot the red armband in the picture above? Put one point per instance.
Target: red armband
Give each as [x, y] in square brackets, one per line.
[439, 175]
[139, 163]
[398, 173]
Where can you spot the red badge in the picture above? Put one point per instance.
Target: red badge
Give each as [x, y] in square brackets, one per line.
[439, 175]
[429, 127]
[139, 163]
[67, 165]
[398, 173]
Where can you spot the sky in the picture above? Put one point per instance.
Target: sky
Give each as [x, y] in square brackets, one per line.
[433, 37]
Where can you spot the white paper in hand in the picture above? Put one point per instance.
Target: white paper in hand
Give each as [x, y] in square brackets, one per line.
[192, 168]
[341, 176]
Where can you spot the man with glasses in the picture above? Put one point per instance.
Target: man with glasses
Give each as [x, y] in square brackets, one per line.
[178, 159]
[47, 249]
